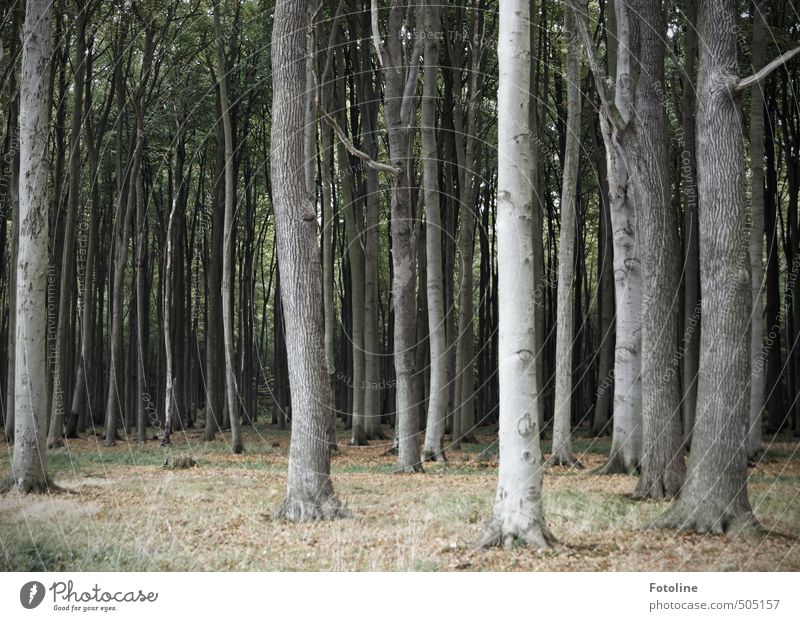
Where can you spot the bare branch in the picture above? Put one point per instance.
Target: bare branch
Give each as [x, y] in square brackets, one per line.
[600, 78]
[766, 70]
[376, 31]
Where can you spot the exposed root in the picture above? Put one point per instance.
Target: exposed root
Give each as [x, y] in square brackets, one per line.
[707, 521]
[497, 533]
[661, 487]
[407, 468]
[7, 485]
[298, 510]
[376, 435]
[616, 465]
[564, 459]
[433, 455]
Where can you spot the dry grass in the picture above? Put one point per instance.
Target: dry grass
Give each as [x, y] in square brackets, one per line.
[128, 512]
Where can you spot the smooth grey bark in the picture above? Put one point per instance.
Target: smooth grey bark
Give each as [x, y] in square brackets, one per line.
[757, 358]
[29, 460]
[616, 111]
[518, 515]
[401, 78]
[66, 284]
[433, 448]
[714, 496]
[309, 491]
[662, 464]
[10, 378]
[562, 454]
[231, 390]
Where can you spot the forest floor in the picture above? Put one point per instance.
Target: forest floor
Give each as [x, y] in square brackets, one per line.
[124, 511]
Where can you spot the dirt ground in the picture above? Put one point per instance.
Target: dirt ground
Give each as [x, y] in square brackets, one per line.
[123, 510]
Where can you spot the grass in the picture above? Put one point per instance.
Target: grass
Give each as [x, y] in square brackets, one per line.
[127, 512]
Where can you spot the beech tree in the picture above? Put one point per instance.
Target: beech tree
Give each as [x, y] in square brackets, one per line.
[29, 462]
[309, 491]
[517, 514]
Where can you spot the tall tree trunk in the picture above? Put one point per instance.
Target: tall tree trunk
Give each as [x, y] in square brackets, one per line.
[63, 337]
[29, 461]
[309, 491]
[757, 234]
[518, 514]
[662, 465]
[231, 390]
[714, 497]
[437, 400]
[399, 96]
[562, 443]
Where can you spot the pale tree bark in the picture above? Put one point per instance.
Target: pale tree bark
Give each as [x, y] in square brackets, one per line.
[60, 371]
[714, 496]
[562, 454]
[309, 491]
[401, 77]
[433, 448]
[10, 378]
[757, 358]
[662, 463]
[231, 390]
[616, 111]
[518, 515]
[29, 461]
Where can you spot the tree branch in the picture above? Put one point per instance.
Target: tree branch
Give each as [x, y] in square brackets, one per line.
[376, 31]
[761, 75]
[600, 78]
[385, 168]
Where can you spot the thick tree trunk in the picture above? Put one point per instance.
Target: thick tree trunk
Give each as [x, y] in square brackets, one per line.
[433, 448]
[29, 461]
[662, 465]
[518, 513]
[714, 497]
[309, 492]
[562, 440]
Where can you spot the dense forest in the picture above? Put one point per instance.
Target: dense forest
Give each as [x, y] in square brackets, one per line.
[539, 255]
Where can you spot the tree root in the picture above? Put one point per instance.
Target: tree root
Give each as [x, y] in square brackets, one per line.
[535, 536]
[569, 460]
[433, 455]
[7, 484]
[616, 465]
[696, 521]
[408, 468]
[298, 510]
[657, 488]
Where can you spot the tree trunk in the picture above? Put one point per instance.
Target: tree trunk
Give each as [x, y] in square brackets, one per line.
[231, 390]
[662, 464]
[562, 444]
[63, 336]
[29, 461]
[757, 234]
[309, 491]
[518, 513]
[433, 448]
[714, 497]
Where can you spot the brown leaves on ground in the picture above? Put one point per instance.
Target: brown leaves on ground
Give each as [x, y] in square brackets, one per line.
[129, 513]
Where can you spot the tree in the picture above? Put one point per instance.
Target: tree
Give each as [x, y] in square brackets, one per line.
[518, 513]
[616, 112]
[231, 391]
[437, 400]
[401, 80]
[29, 462]
[309, 491]
[714, 497]
[562, 445]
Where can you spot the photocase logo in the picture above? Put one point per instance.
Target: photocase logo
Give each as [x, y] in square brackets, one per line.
[31, 594]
